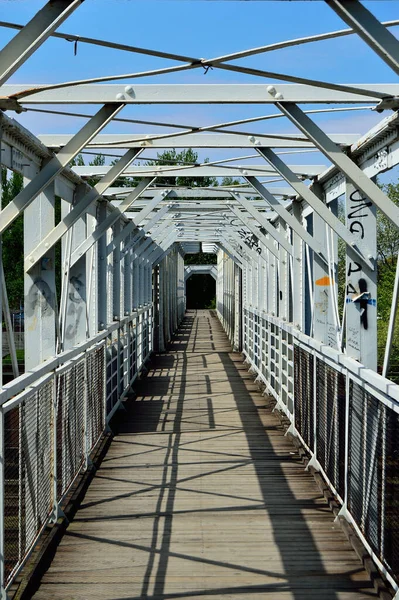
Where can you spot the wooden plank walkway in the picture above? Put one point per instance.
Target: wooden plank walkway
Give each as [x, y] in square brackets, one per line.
[201, 495]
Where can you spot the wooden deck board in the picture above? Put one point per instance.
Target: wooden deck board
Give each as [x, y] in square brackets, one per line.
[202, 496]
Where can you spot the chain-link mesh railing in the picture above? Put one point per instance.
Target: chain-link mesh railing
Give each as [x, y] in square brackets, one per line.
[303, 394]
[112, 375]
[28, 464]
[330, 423]
[71, 392]
[132, 350]
[351, 432]
[373, 479]
[95, 364]
[50, 429]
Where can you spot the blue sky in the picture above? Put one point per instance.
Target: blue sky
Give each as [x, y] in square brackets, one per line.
[202, 29]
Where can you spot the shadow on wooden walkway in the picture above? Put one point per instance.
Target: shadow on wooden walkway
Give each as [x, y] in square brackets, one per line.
[202, 496]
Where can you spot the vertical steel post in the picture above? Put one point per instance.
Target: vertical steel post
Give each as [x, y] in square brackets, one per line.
[361, 282]
[74, 328]
[39, 283]
[102, 295]
[298, 272]
[325, 286]
[117, 276]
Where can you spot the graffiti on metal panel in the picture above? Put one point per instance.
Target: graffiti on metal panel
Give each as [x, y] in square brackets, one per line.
[250, 239]
[76, 296]
[39, 298]
[357, 287]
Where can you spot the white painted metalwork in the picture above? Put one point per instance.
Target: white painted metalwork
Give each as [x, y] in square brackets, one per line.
[122, 279]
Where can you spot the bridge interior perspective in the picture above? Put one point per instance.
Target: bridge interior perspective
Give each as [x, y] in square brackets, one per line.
[156, 443]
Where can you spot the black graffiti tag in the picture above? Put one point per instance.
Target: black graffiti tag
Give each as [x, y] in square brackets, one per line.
[357, 204]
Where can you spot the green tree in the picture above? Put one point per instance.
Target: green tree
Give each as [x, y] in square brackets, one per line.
[387, 234]
[229, 182]
[184, 158]
[13, 242]
[98, 161]
[387, 249]
[201, 258]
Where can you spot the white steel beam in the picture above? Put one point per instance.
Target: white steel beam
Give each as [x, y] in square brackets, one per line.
[197, 94]
[289, 218]
[193, 140]
[361, 283]
[230, 251]
[374, 33]
[352, 172]
[34, 33]
[255, 230]
[281, 239]
[54, 167]
[108, 222]
[130, 227]
[146, 210]
[317, 204]
[203, 193]
[79, 209]
[203, 170]
[235, 233]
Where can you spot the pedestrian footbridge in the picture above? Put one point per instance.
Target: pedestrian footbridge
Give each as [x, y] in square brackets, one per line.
[250, 450]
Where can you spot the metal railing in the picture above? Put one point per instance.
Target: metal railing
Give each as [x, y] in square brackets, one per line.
[51, 419]
[346, 416]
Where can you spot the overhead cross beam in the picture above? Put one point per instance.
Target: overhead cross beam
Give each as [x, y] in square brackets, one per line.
[80, 208]
[109, 221]
[374, 33]
[194, 140]
[201, 170]
[318, 206]
[341, 161]
[34, 33]
[55, 166]
[198, 94]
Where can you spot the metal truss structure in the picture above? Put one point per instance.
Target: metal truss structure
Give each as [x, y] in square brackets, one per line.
[120, 293]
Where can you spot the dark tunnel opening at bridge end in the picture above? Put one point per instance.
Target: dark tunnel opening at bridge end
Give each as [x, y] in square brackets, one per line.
[200, 291]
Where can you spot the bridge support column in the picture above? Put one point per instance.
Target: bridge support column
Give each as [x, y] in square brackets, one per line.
[298, 281]
[361, 282]
[41, 318]
[74, 285]
[39, 282]
[324, 282]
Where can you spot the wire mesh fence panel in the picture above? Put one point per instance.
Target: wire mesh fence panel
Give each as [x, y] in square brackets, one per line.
[390, 521]
[286, 374]
[13, 509]
[132, 351]
[330, 423]
[146, 342]
[123, 361]
[112, 376]
[373, 482]
[275, 358]
[71, 392]
[256, 341]
[303, 394]
[28, 471]
[265, 349]
[95, 394]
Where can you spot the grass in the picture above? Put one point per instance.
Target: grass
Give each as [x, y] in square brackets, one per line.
[20, 358]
